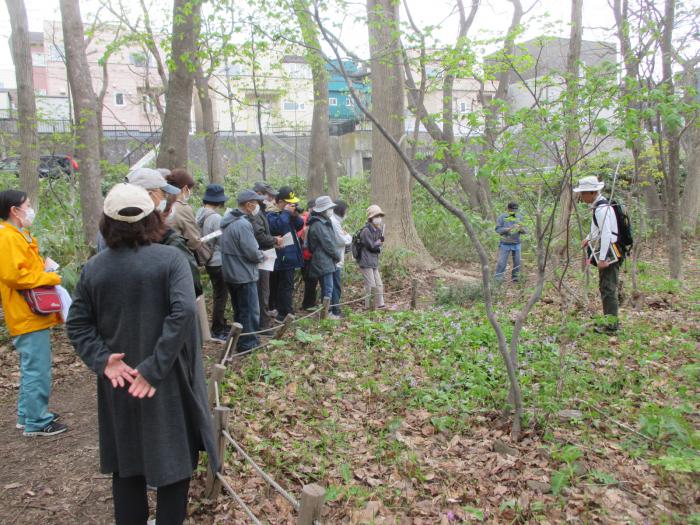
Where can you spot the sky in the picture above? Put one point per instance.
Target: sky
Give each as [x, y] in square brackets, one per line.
[546, 17]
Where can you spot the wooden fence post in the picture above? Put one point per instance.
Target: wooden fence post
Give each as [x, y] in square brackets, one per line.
[231, 342]
[311, 503]
[284, 327]
[217, 375]
[213, 486]
[326, 307]
[373, 298]
[414, 293]
[203, 318]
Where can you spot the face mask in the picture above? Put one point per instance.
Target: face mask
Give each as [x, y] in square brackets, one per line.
[377, 221]
[161, 205]
[256, 210]
[29, 216]
[328, 213]
[186, 197]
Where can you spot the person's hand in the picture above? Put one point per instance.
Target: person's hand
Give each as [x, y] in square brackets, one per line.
[291, 208]
[279, 242]
[584, 244]
[603, 264]
[141, 388]
[118, 372]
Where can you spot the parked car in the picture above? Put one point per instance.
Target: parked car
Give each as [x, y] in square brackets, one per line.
[52, 166]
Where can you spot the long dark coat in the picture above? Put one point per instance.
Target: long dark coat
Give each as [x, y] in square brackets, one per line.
[141, 303]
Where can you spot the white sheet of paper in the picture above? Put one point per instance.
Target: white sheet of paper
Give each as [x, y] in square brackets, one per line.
[66, 301]
[210, 236]
[269, 263]
[287, 239]
[50, 265]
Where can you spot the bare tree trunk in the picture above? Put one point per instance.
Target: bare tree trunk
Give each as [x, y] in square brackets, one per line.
[176, 125]
[390, 180]
[214, 169]
[321, 164]
[690, 200]
[85, 110]
[26, 104]
[672, 135]
[491, 110]
[572, 141]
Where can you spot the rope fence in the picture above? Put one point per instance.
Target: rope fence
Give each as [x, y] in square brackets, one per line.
[310, 504]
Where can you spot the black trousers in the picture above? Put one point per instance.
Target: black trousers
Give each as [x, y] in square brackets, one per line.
[310, 285]
[131, 501]
[283, 292]
[264, 297]
[218, 285]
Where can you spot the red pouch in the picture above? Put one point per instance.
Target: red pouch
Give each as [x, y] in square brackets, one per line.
[43, 300]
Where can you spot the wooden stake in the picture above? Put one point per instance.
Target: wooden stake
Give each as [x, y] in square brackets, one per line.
[414, 293]
[284, 327]
[217, 375]
[326, 307]
[203, 318]
[231, 342]
[213, 485]
[373, 298]
[311, 504]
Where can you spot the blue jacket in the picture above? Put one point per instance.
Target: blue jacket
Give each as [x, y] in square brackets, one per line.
[506, 221]
[281, 223]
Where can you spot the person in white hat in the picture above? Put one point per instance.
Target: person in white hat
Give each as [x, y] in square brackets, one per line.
[601, 248]
[320, 239]
[371, 242]
[133, 323]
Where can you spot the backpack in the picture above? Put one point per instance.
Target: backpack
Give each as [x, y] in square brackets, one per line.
[356, 245]
[624, 226]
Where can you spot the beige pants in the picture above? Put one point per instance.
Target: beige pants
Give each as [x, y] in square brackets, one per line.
[373, 279]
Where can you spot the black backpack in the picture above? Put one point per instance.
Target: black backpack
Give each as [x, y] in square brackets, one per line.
[624, 226]
[356, 246]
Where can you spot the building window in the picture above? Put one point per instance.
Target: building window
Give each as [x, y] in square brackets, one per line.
[236, 70]
[332, 101]
[56, 53]
[464, 107]
[119, 99]
[38, 59]
[148, 106]
[349, 102]
[290, 105]
[138, 59]
[297, 70]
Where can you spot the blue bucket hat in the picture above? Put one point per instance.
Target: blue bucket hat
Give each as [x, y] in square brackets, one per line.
[215, 194]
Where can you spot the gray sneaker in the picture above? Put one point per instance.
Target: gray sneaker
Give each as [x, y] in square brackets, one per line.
[51, 429]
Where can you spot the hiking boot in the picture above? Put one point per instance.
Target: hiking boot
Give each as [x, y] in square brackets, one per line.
[51, 429]
[56, 417]
[335, 317]
[609, 329]
[222, 337]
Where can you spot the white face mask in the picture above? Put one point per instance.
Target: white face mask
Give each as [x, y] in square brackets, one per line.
[376, 221]
[186, 196]
[161, 205]
[257, 209]
[328, 213]
[29, 216]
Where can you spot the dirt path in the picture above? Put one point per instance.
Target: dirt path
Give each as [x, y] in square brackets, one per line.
[53, 480]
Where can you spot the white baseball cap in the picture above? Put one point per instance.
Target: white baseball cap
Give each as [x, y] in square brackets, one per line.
[590, 183]
[127, 203]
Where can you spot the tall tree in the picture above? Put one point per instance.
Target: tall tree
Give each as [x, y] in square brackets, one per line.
[85, 111]
[321, 164]
[26, 104]
[671, 126]
[572, 140]
[215, 171]
[690, 201]
[390, 179]
[183, 63]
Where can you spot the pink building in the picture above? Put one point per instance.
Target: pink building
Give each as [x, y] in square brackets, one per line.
[132, 81]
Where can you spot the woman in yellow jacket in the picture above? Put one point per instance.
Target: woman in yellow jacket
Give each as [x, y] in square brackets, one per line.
[22, 268]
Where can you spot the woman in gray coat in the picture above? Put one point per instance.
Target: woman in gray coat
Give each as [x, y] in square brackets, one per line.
[133, 322]
[320, 239]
